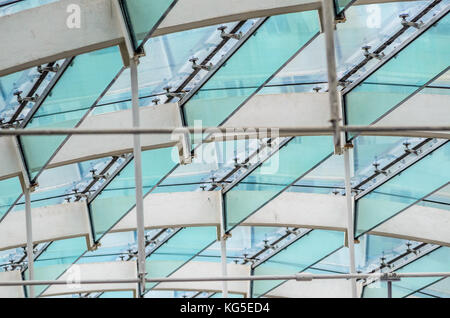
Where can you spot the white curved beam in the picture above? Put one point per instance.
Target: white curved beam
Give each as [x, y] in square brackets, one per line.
[185, 209]
[96, 271]
[55, 222]
[320, 288]
[46, 37]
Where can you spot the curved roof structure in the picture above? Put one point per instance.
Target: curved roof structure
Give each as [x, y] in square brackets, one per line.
[186, 148]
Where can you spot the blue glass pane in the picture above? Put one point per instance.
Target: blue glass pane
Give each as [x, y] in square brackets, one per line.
[436, 261]
[288, 164]
[10, 190]
[393, 196]
[396, 80]
[144, 16]
[73, 95]
[118, 294]
[119, 196]
[278, 39]
[9, 6]
[56, 259]
[179, 249]
[340, 5]
[297, 257]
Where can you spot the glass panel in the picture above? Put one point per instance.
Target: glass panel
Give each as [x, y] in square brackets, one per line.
[297, 257]
[13, 6]
[436, 261]
[340, 5]
[144, 16]
[10, 190]
[76, 91]
[288, 164]
[56, 259]
[179, 249]
[119, 196]
[118, 294]
[396, 79]
[417, 181]
[278, 39]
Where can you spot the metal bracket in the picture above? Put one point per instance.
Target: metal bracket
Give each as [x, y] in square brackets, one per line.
[32, 99]
[196, 66]
[416, 25]
[378, 56]
[224, 35]
[303, 277]
[179, 95]
[389, 277]
[53, 69]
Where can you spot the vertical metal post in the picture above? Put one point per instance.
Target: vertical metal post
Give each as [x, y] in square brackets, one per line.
[29, 228]
[389, 288]
[223, 257]
[223, 250]
[138, 173]
[350, 232]
[328, 28]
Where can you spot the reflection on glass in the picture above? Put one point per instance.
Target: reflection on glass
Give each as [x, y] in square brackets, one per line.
[265, 182]
[10, 190]
[276, 40]
[436, 261]
[396, 79]
[56, 259]
[144, 16]
[179, 249]
[298, 256]
[73, 95]
[396, 194]
[119, 196]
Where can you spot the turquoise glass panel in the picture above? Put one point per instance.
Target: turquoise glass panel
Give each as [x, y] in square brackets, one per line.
[340, 5]
[179, 249]
[56, 259]
[292, 161]
[396, 79]
[144, 16]
[10, 190]
[118, 294]
[73, 95]
[277, 40]
[120, 195]
[403, 190]
[10, 6]
[297, 257]
[436, 261]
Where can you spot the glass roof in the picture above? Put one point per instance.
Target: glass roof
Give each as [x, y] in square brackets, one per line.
[212, 74]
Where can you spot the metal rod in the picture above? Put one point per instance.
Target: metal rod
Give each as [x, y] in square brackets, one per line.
[350, 234]
[389, 288]
[298, 277]
[328, 25]
[236, 131]
[138, 174]
[223, 258]
[29, 229]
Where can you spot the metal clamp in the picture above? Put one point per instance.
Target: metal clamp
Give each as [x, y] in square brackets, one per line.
[411, 151]
[416, 25]
[224, 35]
[169, 94]
[389, 277]
[303, 277]
[52, 69]
[376, 165]
[196, 66]
[32, 99]
[378, 56]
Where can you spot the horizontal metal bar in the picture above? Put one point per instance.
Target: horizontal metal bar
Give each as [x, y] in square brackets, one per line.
[237, 131]
[297, 277]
